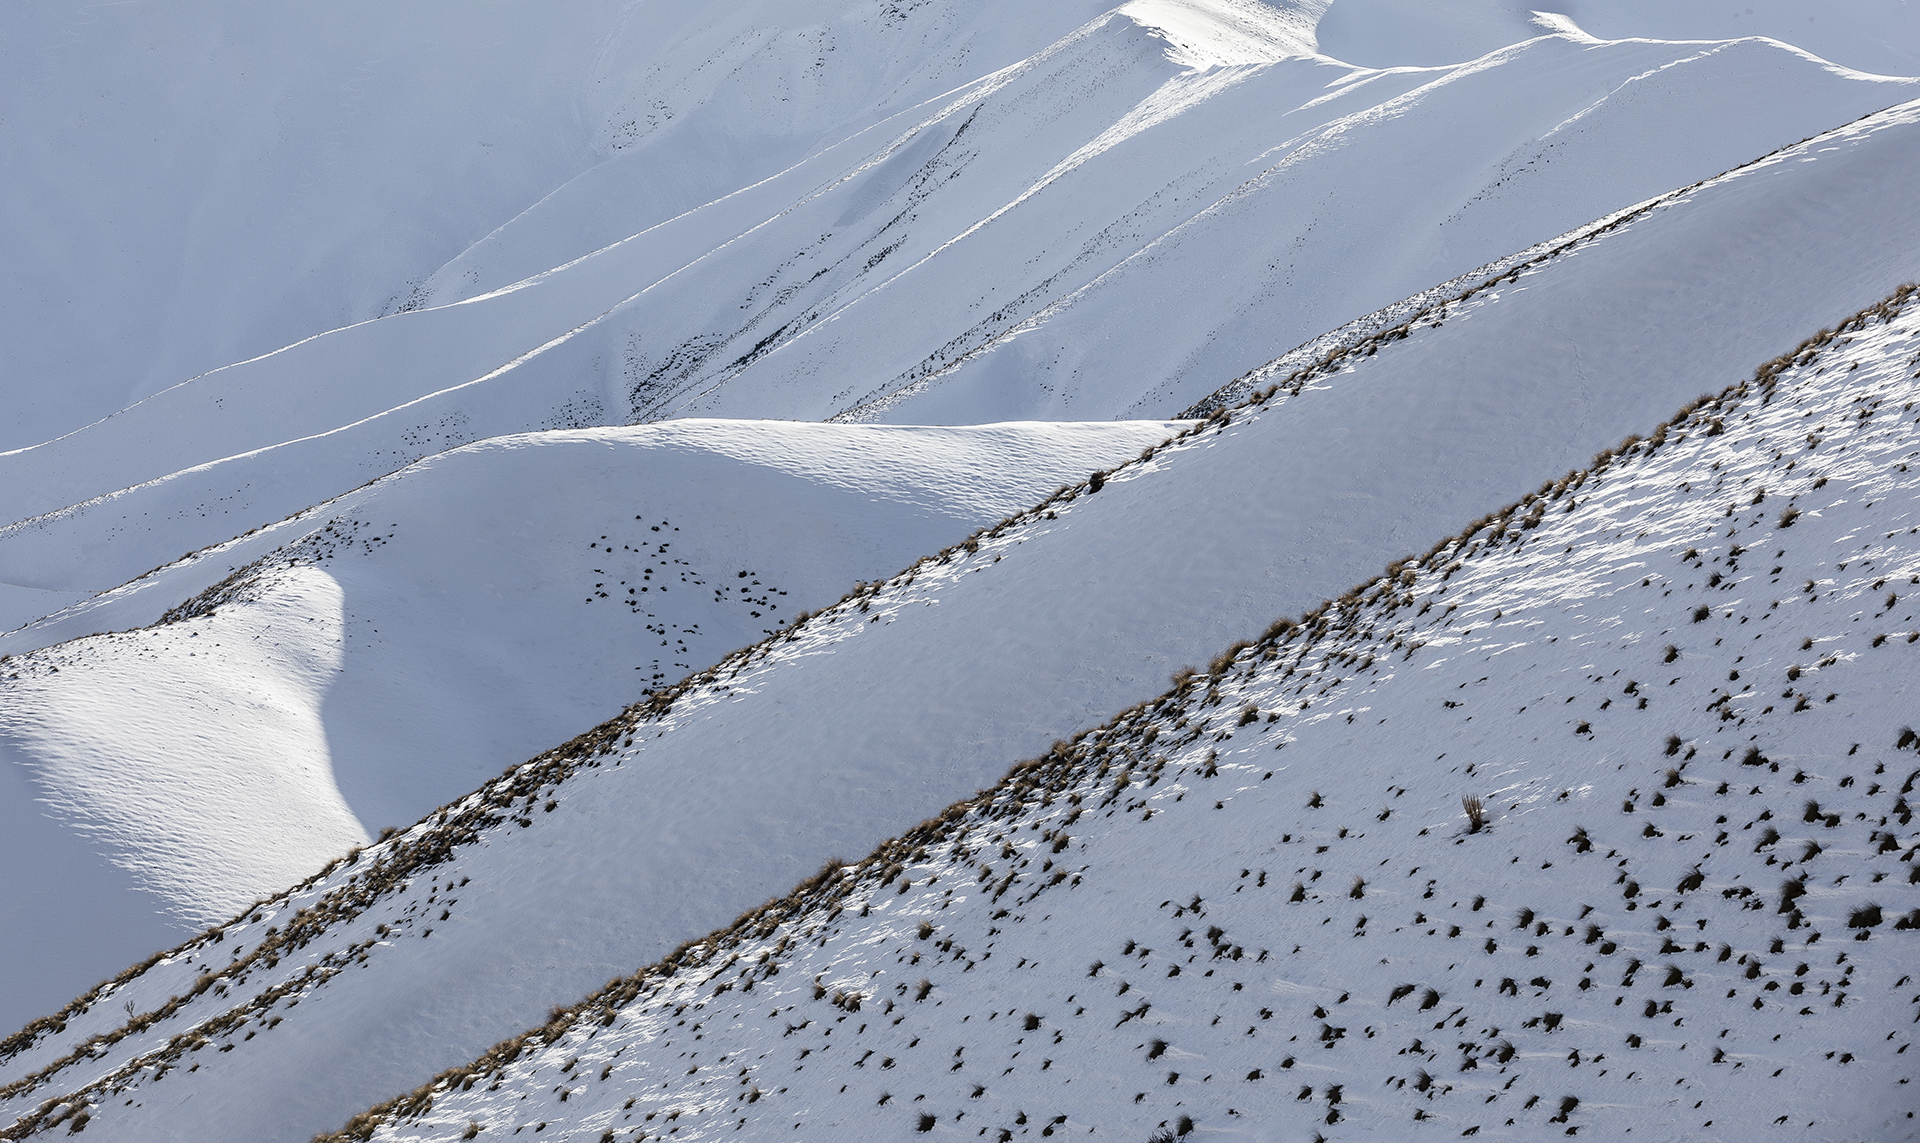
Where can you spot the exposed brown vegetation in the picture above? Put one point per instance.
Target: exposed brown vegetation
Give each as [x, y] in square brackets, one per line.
[436, 839]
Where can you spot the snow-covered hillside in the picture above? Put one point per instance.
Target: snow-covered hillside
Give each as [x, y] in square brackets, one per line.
[192, 188]
[188, 189]
[458, 675]
[1869, 35]
[1670, 678]
[354, 667]
[1110, 222]
[1078, 612]
[1685, 904]
[428, 320]
[1683, 899]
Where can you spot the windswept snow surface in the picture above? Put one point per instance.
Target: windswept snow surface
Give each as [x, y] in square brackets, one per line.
[874, 717]
[1674, 678]
[941, 212]
[22, 605]
[357, 666]
[1103, 220]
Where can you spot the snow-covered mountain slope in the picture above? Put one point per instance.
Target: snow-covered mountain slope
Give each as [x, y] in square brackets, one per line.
[1641, 312]
[192, 189]
[1880, 36]
[1675, 682]
[354, 667]
[189, 189]
[1159, 200]
[1079, 610]
[22, 605]
[1872, 35]
[1257, 244]
[1672, 679]
[1185, 129]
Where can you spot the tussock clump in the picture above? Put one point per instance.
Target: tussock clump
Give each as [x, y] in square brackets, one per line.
[1476, 811]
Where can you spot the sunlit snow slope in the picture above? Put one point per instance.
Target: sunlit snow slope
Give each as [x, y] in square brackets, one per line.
[1672, 678]
[1095, 221]
[909, 697]
[1676, 683]
[356, 666]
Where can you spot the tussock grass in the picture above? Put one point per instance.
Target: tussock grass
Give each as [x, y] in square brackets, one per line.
[393, 861]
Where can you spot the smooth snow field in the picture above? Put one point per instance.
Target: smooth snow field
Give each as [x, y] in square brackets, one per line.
[493, 497]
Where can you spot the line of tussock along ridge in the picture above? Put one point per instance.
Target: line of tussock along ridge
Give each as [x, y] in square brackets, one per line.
[399, 861]
[823, 896]
[434, 839]
[1330, 352]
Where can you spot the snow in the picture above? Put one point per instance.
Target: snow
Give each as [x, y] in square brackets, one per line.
[1109, 221]
[354, 667]
[1407, 33]
[366, 311]
[22, 605]
[190, 190]
[1879, 36]
[1870, 35]
[187, 190]
[869, 720]
[1563, 965]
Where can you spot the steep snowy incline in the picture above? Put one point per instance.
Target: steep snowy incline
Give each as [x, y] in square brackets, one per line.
[1130, 217]
[831, 88]
[358, 665]
[340, 408]
[191, 187]
[22, 605]
[1595, 665]
[1683, 900]
[916, 693]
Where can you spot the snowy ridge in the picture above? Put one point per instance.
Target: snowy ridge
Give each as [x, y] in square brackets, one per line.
[1671, 957]
[1525, 376]
[950, 212]
[1292, 371]
[1072, 624]
[1107, 173]
[360, 160]
[424, 847]
[364, 162]
[219, 729]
